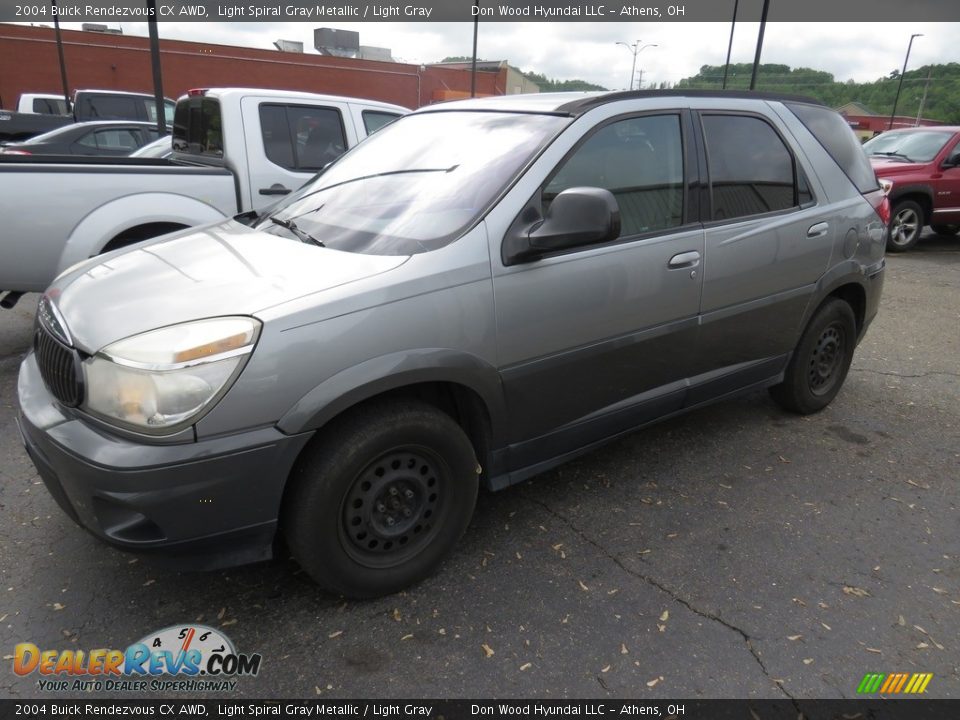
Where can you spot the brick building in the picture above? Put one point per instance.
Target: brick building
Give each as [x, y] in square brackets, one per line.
[28, 56]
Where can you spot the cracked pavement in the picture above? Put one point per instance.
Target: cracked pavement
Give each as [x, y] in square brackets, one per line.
[735, 552]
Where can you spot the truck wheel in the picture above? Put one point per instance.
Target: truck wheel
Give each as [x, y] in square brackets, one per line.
[379, 500]
[821, 360]
[906, 222]
[946, 229]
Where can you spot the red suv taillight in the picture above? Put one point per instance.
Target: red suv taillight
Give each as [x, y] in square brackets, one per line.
[880, 200]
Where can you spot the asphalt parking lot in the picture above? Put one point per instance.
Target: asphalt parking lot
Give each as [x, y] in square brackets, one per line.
[736, 552]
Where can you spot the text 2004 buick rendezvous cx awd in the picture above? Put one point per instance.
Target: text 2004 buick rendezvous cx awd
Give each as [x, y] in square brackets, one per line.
[476, 293]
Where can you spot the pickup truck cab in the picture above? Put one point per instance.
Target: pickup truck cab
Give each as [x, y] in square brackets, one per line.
[235, 150]
[923, 163]
[42, 104]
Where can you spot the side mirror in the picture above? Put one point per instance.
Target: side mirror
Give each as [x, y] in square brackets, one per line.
[952, 161]
[577, 217]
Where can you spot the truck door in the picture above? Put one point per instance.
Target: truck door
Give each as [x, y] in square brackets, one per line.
[288, 142]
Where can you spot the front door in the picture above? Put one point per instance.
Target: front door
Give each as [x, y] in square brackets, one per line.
[593, 339]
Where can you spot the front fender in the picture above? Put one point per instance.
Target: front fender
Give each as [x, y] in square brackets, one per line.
[98, 228]
[390, 372]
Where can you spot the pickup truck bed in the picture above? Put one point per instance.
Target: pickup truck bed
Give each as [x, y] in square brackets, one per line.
[114, 190]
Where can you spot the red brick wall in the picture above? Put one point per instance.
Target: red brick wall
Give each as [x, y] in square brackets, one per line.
[28, 63]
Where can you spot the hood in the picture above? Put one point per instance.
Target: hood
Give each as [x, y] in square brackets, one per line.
[883, 166]
[224, 269]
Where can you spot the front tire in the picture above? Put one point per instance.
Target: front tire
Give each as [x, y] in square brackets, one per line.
[821, 360]
[381, 498]
[906, 223]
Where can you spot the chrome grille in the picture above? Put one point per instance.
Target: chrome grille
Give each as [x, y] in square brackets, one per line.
[59, 367]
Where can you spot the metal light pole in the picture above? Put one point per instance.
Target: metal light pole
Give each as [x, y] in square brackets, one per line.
[155, 62]
[900, 86]
[63, 66]
[473, 65]
[756, 58]
[635, 49]
[733, 24]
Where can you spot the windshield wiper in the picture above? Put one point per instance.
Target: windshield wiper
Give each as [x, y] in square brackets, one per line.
[895, 154]
[302, 235]
[376, 175]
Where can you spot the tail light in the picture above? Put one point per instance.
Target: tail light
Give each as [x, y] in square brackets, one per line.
[880, 200]
[8, 151]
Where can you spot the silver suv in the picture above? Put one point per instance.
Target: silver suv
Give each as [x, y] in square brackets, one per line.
[475, 294]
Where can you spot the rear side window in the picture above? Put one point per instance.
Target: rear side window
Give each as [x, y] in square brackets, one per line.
[301, 137]
[50, 106]
[197, 127]
[838, 140]
[373, 120]
[751, 170]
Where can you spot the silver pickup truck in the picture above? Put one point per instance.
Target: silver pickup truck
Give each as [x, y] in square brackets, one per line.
[234, 150]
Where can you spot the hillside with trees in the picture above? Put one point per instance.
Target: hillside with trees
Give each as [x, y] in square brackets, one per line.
[942, 101]
[546, 84]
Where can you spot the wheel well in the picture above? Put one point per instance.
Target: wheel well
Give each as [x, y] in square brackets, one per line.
[461, 403]
[141, 232]
[856, 298]
[924, 201]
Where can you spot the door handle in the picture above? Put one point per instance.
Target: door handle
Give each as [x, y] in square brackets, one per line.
[275, 189]
[818, 230]
[684, 259]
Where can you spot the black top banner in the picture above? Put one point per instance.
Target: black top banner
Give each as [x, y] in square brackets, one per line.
[312, 11]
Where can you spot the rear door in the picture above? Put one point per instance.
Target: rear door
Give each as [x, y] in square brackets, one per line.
[946, 187]
[288, 142]
[599, 339]
[768, 240]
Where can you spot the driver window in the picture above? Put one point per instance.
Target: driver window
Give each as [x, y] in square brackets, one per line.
[640, 161]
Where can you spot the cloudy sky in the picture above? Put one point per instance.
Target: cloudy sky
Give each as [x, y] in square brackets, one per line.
[585, 50]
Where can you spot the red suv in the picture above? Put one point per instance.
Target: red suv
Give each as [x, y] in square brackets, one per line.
[924, 165]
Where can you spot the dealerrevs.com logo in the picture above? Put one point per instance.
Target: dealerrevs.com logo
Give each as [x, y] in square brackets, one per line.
[180, 658]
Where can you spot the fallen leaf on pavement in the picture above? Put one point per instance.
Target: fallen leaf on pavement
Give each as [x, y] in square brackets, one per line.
[856, 591]
[488, 651]
[653, 682]
[665, 616]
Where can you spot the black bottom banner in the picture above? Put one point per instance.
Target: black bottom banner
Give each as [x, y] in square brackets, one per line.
[865, 709]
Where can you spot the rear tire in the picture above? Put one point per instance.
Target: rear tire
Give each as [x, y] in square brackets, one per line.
[906, 223]
[381, 498]
[821, 360]
[945, 229]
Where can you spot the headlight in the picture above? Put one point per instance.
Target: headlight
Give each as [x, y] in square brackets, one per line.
[161, 380]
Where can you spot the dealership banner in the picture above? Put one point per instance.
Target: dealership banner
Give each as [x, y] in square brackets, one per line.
[312, 11]
[877, 709]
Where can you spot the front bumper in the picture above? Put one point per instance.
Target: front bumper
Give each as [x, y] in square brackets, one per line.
[205, 504]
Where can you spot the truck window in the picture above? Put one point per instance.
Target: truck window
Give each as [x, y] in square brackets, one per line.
[301, 137]
[150, 110]
[50, 106]
[198, 128]
[105, 107]
[373, 120]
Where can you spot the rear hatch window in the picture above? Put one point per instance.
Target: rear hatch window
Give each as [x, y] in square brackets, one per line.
[198, 127]
[832, 131]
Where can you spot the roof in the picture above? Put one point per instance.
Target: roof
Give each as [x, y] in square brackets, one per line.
[577, 103]
[221, 92]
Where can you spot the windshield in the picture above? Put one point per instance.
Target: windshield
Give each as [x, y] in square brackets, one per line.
[908, 145]
[417, 184]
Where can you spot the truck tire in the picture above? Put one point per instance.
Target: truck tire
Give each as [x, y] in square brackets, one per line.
[821, 360]
[906, 223]
[380, 498]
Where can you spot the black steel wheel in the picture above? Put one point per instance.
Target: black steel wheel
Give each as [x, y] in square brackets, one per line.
[380, 498]
[906, 223]
[819, 364]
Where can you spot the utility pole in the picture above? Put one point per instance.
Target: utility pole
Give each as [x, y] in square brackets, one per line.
[733, 24]
[756, 58]
[473, 63]
[640, 80]
[63, 66]
[923, 100]
[155, 63]
[896, 100]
